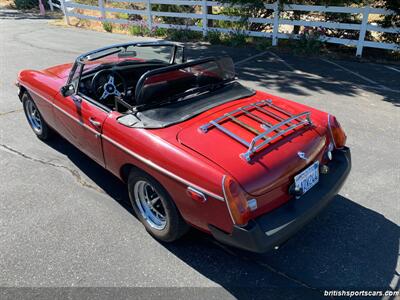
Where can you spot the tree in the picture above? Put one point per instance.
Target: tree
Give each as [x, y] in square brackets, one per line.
[392, 20]
[174, 8]
[257, 9]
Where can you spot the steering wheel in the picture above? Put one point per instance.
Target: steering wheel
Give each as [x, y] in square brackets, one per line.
[107, 83]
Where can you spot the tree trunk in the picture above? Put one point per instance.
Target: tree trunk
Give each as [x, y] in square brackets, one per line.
[296, 16]
[210, 12]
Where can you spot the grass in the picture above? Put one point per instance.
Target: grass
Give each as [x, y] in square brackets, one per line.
[107, 26]
[183, 35]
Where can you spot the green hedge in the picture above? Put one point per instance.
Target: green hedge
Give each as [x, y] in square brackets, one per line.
[29, 4]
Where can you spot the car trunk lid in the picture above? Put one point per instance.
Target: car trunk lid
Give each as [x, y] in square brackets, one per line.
[272, 165]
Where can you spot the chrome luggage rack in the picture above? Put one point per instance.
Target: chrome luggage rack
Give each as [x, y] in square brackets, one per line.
[292, 122]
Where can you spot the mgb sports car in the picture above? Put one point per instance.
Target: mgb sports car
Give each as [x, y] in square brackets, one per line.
[194, 146]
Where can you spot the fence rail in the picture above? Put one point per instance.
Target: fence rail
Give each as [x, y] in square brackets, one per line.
[69, 9]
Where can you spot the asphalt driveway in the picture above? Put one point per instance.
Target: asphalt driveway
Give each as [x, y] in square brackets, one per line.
[64, 221]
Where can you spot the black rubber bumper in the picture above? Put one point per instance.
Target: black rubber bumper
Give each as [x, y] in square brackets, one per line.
[275, 227]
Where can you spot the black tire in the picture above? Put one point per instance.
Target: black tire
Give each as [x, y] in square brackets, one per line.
[175, 226]
[37, 123]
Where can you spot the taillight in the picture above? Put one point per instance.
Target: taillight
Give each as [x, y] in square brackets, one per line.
[236, 201]
[337, 132]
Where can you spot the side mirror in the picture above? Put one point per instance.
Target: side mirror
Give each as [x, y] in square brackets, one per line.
[67, 90]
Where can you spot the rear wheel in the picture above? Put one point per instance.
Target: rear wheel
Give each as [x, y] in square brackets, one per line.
[35, 119]
[155, 208]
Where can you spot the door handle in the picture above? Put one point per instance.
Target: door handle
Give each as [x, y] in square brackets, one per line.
[94, 122]
[76, 98]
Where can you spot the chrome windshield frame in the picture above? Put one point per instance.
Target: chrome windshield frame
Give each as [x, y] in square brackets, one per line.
[83, 58]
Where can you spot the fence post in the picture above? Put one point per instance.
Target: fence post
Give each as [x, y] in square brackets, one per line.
[65, 11]
[363, 30]
[275, 29]
[51, 5]
[204, 20]
[101, 7]
[149, 17]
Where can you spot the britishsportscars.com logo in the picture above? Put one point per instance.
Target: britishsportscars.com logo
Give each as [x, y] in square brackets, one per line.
[360, 293]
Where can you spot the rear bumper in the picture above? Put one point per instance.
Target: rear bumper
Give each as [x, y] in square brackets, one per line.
[275, 227]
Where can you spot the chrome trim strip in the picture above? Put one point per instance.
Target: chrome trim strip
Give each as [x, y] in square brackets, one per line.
[38, 94]
[189, 188]
[161, 169]
[139, 157]
[142, 159]
[330, 130]
[67, 113]
[97, 133]
[226, 201]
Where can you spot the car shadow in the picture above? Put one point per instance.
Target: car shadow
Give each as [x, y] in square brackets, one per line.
[106, 181]
[310, 74]
[347, 246]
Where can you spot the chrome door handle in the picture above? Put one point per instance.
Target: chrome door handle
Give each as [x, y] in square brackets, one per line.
[94, 122]
[76, 98]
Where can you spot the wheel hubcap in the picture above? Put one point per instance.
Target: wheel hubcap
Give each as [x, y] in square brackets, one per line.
[150, 206]
[34, 117]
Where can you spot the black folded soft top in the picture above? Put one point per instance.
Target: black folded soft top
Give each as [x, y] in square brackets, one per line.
[180, 111]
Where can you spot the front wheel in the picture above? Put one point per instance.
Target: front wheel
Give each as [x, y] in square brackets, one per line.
[155, 208]
[35, 119]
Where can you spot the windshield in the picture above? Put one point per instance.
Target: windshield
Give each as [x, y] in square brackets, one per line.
[180, 81]
[129, 54]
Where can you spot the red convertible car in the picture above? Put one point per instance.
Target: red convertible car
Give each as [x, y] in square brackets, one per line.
[194, 146]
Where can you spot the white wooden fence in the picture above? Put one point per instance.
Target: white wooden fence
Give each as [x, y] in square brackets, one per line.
[55, 4]
[69, 8]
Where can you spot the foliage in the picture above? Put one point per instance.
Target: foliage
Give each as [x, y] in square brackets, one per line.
[123, 16]
[262, 44]
[139, 28]
[176, 9]
[236, 38]
[29, 4]
[87, 2]
[237, 25]
[309, 41]
[159, 32]
[25, 4]
[107, 26]
[214, 37]
[184, 35]
[392, 20]
[135, 30]
[256, 8]
[248, 9]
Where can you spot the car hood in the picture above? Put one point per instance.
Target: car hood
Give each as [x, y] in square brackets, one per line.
[61, 71]
[273, 166]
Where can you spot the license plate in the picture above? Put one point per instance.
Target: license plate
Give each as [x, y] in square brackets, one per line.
[308, 178]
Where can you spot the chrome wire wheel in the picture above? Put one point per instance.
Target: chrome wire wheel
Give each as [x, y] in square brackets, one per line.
[33, 115]
[150, 205]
